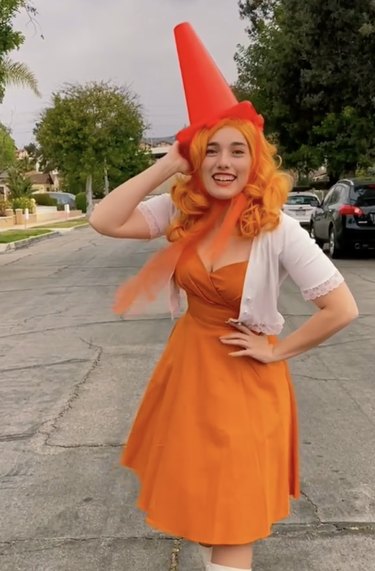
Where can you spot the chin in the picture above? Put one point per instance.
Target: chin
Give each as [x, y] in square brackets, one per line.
[223, 193]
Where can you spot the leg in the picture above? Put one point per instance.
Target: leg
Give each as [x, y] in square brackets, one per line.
[205, 552]
[231, 557]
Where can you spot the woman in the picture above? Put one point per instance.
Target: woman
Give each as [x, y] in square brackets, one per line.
[215, 439]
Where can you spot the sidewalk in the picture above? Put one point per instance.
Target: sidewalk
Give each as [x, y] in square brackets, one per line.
[46, 224]
[51, 225]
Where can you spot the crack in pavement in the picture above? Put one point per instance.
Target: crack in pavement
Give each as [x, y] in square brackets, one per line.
[322, 529]
[314, 506]
[58, 271]
[21, 256]
[59, 541]
[174, 558]
[321, 379]
[325, 528]
[50, 426]
[44, 365]
[17, 436]
[69, 446]
[118, 321]
[42, 315]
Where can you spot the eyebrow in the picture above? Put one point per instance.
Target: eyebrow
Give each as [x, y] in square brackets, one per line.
[235, 143]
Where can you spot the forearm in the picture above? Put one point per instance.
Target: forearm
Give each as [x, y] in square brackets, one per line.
[119, 204]
[313, 332]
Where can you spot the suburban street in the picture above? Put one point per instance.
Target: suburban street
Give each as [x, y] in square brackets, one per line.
[71, 376]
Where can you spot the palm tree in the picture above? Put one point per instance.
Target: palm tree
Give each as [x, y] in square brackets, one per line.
[15, 73]
[18, 184]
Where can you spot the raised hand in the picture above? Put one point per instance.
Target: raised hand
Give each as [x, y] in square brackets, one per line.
[175, 158]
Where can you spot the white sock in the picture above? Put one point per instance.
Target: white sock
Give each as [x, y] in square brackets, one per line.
[206, 553]
[216, 567]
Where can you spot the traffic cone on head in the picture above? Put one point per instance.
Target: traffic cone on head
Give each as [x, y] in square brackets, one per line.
[209, 98]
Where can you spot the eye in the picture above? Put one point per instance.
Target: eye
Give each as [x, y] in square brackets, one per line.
[238, 152]
[211, 151]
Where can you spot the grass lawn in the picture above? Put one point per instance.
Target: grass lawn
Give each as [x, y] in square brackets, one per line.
[67, 224]
[15, 235]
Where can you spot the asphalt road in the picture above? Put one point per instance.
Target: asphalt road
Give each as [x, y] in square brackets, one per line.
[71, 376]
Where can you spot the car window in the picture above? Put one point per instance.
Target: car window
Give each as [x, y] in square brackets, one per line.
[342, 193]
[363, 195]
[302, 199]
[329, 196]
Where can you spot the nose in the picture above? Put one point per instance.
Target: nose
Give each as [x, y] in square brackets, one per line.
[223, 161]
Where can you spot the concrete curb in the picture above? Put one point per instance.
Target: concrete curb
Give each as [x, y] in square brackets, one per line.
[11, 246]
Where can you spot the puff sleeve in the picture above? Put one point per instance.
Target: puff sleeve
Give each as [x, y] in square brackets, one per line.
[158, 212]
[307, 265]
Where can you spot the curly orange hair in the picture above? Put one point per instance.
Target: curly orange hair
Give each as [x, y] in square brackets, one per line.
[265, 192]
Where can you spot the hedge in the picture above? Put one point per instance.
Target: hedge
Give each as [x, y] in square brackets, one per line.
[81, 201]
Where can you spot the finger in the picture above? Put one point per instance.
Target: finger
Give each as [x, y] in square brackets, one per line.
[235, 336]
[241, 353]
[239, 342]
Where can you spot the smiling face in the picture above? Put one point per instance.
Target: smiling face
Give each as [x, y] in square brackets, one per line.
[226, 167]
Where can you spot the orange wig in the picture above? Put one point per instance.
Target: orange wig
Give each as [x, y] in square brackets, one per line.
[265, 193]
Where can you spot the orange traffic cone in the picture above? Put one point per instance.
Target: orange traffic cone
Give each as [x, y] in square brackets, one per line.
[208, 95]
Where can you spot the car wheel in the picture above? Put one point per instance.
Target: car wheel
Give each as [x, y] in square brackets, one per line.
[334, 248]
[319, 242]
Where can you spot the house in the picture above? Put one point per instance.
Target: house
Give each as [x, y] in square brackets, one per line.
[160, 150]
[21, 154]
[41, 182]
[157, 146]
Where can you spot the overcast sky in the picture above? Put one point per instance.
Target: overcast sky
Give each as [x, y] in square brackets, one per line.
[127, 41]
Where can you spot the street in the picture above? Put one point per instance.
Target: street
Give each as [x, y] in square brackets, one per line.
[71, 376]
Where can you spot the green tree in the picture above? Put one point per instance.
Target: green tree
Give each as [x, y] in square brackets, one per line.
[309, 67]
[13, 73]
[90, 130]
[7, 149]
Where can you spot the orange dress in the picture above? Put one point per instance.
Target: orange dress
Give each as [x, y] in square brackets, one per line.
[214, 442]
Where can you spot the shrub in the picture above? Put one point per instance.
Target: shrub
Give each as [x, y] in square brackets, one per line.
[81, 201]
[43, 199]
[4, 205]
[22, 202]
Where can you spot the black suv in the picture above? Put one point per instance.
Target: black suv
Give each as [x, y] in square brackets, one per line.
[346, 217]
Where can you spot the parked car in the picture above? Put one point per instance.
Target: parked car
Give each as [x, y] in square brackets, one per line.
[301, 206]
[61, 197]
[346, 217]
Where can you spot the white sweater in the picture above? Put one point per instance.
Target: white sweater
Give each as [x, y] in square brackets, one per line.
[287, 250]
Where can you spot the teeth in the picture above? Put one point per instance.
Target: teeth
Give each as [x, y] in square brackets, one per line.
[224, 178]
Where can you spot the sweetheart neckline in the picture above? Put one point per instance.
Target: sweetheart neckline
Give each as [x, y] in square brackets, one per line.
[210, 272]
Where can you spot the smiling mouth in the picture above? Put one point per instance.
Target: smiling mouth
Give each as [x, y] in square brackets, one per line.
[224, 178]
